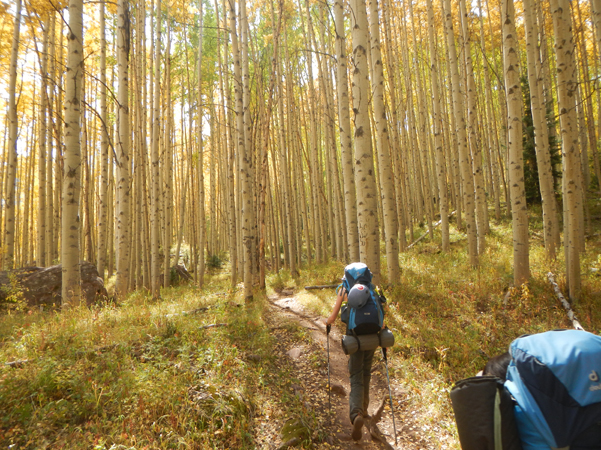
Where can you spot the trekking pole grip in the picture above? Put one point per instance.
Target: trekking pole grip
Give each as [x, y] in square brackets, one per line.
[328, 328]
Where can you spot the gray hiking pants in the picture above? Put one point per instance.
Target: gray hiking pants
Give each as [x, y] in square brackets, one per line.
[359, 367]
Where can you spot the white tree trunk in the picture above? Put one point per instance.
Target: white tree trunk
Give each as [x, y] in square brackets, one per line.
[365, 179]
[467, 179]
[437, 127]
[155, 266]
[71, 278]
[123, 150]
[519, 211]
[543, 157]
[104, 152]
[387, 182]
[566, 99]
[9, 228]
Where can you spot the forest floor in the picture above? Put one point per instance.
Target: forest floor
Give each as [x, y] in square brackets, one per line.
[332, 412]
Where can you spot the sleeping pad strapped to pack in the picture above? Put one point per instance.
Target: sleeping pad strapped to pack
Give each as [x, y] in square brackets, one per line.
[552, 394]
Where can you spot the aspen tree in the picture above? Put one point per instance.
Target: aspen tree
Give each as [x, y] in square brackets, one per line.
[328, 154]
[141, 255]
[545, 57]
[229, 145]
[422, 145]
[474, 137]
[437, 127]
[395, 149]
[60, 149]
[298, 193]
[25, 176]
[245, 175]
[501, 137]
[9, 227]
[85, 207]
[492, 136]
[588, 126]
[566, 93]
[71, 275]
[596, 15]
[344, 128]
[387, 190]
[104, 150]
[199, 138]
[212, 231]
[369, 232]
[465, 167]
[285, 151]
[519, 212]
[543, 158]
[314, 170]
[248, 208]
[123, 150]
[42, 145]
[168, 163]
[49, 207]
[155, 161]
[3, 163]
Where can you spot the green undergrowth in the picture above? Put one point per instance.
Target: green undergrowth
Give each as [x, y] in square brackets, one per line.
[144, 374]
[150, 374]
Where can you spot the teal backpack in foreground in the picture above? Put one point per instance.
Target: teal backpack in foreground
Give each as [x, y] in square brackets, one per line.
[551, 399]
[554, 379]
[363, 313]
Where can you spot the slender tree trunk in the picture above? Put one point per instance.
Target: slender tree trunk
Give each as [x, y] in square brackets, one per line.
[437, 127]
[474, 137]
[123, 151]
[465, 166]
[387, 190]
[596, 7]
[519, 211]
[9, 228]
[168, 163]
[543, 158]
[566, 86]
[369, 232]
[155, 161]
[43, 154]
[51, 164]
[201, 182]
[71, 276]
[245, 169]
[104, 151]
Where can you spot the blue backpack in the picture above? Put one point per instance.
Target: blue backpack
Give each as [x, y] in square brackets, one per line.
[363, 313]
[554, 378]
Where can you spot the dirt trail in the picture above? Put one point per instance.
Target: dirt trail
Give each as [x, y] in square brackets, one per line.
[287, 308]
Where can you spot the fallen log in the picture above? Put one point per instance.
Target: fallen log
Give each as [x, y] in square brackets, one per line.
[565, 303]
[41, 286]
[325, 286]
[17, 364]
[427, 232]
[179, 274]
[213, 325]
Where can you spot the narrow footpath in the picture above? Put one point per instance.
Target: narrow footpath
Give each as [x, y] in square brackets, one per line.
[308, 354]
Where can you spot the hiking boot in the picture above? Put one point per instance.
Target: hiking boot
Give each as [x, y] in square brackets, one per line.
[357, 427]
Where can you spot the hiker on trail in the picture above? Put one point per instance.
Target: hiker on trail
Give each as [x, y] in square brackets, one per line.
[363, 315]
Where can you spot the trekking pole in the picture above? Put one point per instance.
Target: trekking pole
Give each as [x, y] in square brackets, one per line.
[328, 328]
[389, 394]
